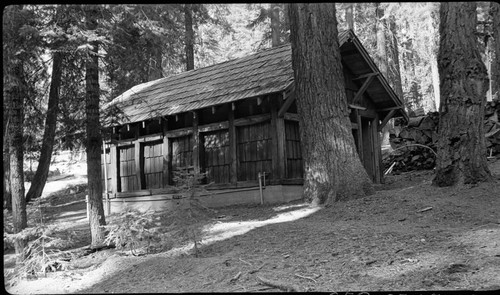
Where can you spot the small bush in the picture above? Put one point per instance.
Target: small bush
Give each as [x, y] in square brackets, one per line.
[133, 229]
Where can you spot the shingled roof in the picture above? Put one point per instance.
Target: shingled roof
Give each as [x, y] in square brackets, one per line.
[266, 72]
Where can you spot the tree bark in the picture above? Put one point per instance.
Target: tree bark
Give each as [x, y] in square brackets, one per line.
[275, 24]
[381, 41]
[93, 142]
[7, 196]
[332, 168]
[49, 134]
[461, 147]
[495, 65]
[349, 17]
[15, 97]
[189, 37]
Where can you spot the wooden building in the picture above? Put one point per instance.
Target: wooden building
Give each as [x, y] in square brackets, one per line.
[235, 120]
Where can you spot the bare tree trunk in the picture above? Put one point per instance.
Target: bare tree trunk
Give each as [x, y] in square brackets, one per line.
[155, 68]
[349, 17]
[381, 41]
[464, 82]
[49, 134]
[435, 81]
[15, 97]
[495, 65]
[189, 37]
[94, 141]
[332, 168]
[7, 196]
[275, 24]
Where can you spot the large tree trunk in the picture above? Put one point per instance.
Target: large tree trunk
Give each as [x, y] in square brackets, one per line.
[381, 40]
[93, 143]
[189, 37]
[275, 24]
[332, 168]
[49, 134]
[7, 196]
[15, 97]
[461, 146]
[495, 65]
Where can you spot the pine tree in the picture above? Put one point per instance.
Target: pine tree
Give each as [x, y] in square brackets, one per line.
[332, 168]
[461, 147]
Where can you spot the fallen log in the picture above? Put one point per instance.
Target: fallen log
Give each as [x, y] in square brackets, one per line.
[279, 285]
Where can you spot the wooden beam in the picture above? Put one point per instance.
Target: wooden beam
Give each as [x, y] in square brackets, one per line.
[386, 119]
[362, 90]
[352, 106]
[252, 120]
[291, 117]
[360, 136]
[280, 129]
[196, 143]
[213, 126]
[233, 166]
[389, 109]
[166, 156]
[179, 132]
[367, 75]
[286, 105]
[113, 171]
[278, 143]
[138, 162]
[376, 150]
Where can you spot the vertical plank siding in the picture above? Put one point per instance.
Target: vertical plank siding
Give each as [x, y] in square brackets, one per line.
[293, 150]
[216, 156]
[254, 151]
[127, 169]
[153, 164]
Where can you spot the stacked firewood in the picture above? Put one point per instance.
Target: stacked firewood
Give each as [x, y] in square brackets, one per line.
[414, 145]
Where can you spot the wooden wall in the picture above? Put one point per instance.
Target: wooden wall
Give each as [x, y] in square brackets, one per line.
[232, 143]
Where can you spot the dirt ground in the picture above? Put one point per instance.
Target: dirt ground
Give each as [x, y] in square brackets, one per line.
[408, 236]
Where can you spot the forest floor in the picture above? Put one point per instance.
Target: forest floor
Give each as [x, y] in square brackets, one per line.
[408, 236]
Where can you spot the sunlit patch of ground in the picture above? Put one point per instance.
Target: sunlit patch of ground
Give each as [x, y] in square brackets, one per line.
[225, 230]
[220, 231]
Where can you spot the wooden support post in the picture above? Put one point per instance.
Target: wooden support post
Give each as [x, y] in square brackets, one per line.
[286, 105]
[280, 129]
[360, 135]
[113, 171]
[377, 153]
[196, 143]
[277, 159]
[386, 119]
[362, 90]
[166, 155]
[233, 168]
[138, 162]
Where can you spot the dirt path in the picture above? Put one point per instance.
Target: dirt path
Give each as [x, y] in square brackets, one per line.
[408, 236]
